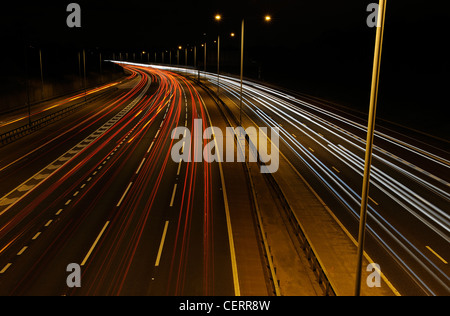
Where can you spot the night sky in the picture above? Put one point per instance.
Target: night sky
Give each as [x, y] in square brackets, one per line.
[322, 47]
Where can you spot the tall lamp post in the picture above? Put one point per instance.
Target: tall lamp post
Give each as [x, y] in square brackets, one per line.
[242, 70]
[178, 55]
[218, 17]
[204, 62]
[369, 142]
[268, 19]
[42, 73]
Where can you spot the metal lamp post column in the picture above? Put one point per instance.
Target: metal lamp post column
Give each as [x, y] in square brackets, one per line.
[242, 71]
[369, 143]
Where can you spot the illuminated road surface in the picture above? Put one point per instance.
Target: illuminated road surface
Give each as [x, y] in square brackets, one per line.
[102, 191]
[114, 202]
[409, 208]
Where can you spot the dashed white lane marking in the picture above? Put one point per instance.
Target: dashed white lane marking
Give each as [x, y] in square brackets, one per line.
[5, 268]
[179, 167]
[173, 194]
[22, 250]
[94, 244]
[140, 166]
[124, 194]
[161, 245]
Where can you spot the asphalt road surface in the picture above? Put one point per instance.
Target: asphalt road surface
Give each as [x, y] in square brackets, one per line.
[409, 208]
[99, 188]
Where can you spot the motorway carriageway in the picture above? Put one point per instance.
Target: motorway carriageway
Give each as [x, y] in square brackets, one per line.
[409, 205]
[101, 190]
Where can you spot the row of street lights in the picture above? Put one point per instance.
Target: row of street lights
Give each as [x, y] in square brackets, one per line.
[218, 18]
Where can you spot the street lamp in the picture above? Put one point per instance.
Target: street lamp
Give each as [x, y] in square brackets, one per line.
[218, 18]
[267, 18]
[178, 55]
[204, 55]
[369, 142]
[218, 65]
